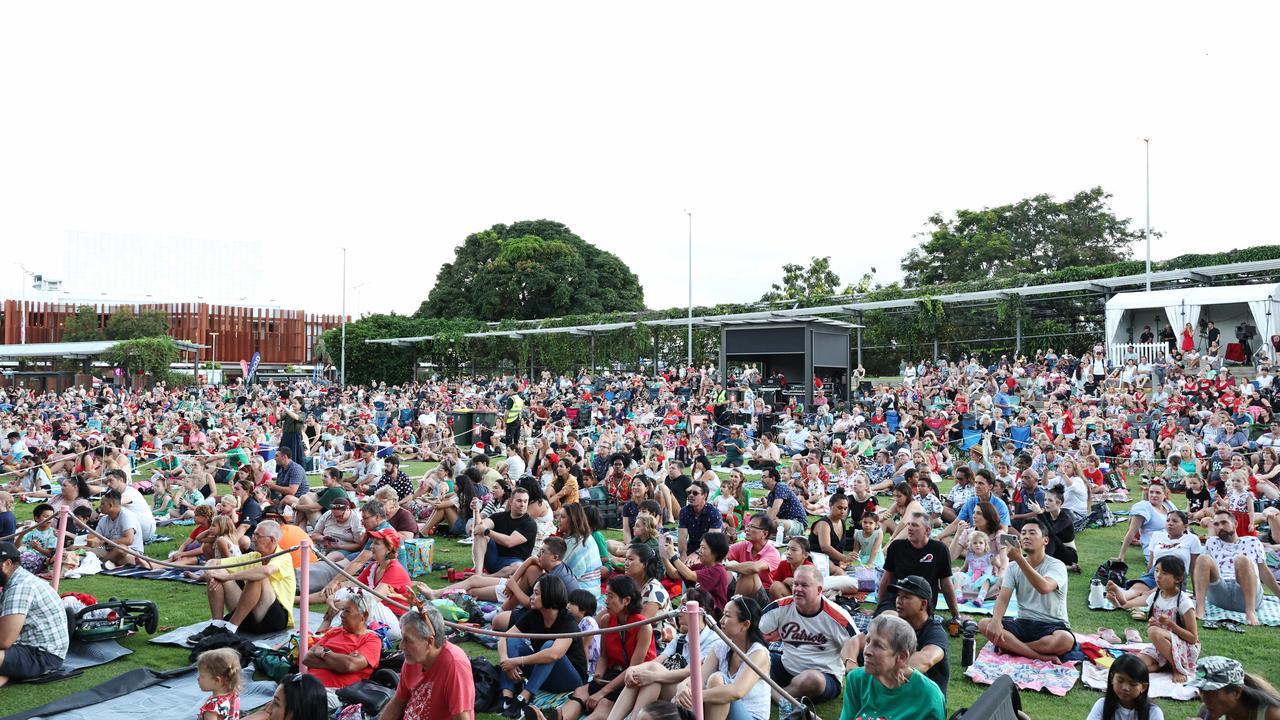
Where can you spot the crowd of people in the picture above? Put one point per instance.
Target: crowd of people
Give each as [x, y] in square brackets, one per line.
[600, 502]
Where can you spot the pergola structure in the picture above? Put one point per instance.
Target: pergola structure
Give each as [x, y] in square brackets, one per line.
[852, 309]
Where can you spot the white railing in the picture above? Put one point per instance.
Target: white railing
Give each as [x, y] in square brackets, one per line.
[1117, 353]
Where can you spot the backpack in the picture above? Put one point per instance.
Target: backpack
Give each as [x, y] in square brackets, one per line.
[224, 639]
[1113, 570]
[488, 693]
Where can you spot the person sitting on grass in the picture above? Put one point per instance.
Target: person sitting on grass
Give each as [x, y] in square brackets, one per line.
[732, 689]
[753, 560]
[349, 653]
[1175, 541]
[1174, 633]
[1041, 631]
[819, 640]
[556, 666]
[621, 651]
[708, 573]
[119, 526]
[260, 596]
[796, 556]
[192, 551]
[33, 621]
[1227, 574]
[888, 686]
[661, 677]
[373, 517]
[1227, 691]
[505, 539]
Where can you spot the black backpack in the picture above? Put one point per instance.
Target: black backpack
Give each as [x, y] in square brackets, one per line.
[488, 689]
[229, 639]
[1113, 570]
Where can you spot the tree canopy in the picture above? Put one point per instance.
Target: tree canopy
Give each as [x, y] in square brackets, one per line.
[811, 284]
[1034, 235]
[150, 355]
[82, 326]
[124, 324]
[528, 270]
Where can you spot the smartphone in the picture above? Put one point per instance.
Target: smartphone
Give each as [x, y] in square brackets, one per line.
[1009, 539]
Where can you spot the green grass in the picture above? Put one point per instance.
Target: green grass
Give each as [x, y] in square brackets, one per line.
[182, 604]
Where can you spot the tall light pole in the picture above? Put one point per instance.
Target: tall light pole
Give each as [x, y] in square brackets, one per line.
[689, 340]
[213, 358]
[342, 367]
[1147, 142]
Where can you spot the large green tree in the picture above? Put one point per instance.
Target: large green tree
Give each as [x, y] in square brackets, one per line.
[814, 283]
[149, 355]
[528, 270]
[82, 326]
[124, 324]
[1034, 235]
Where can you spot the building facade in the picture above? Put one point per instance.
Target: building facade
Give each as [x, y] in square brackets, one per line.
[283, 337]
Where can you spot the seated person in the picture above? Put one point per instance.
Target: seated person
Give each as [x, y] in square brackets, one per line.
[349, 653]
[556, 666]
[889, 686]
[804, 668]
[1039, 581]
[260, 596]
[121, 527]
[33, 622]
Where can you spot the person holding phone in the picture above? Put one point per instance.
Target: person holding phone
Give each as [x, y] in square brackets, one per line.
[1042, 630]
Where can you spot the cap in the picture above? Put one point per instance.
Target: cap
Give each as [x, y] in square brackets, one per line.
[389, 536]
[272, 510]
[1216, 672]
[340, 503]
[915, 585]
[9, 551]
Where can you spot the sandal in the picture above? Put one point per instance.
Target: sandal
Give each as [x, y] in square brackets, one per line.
[1231, 626]
[1138, 614]
[1132, 635]
[1210, 624]
[1109, 635]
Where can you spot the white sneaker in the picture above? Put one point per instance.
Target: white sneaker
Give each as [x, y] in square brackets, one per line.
[467, 540]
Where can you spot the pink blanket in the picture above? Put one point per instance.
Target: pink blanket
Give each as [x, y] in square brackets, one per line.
[1027, 674]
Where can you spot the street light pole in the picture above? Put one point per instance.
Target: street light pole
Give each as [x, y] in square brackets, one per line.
[342, 368]
[689, 340]
[213, 357]
[1147, 142]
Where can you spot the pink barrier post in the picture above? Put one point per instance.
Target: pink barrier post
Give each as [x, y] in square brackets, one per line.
[62, 540]
[304, 609]
[695, 663]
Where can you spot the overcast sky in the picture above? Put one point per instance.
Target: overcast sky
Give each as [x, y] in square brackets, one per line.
[788, 129]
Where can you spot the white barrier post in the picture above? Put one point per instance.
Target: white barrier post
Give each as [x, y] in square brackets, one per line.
[304, 610]
[695, 658]
[62, 541]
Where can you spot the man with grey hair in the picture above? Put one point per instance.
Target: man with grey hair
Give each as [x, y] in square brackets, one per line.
[887, 686]
[436, 680]
[259, 595]
[373, 516]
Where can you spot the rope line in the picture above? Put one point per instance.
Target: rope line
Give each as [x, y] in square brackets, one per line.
[175, 566]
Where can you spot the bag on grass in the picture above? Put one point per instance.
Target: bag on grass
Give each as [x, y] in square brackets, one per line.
[275, 664]
[488, 691]
[1113, 570]
[224, 639]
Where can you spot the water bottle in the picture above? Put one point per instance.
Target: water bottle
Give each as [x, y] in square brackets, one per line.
[966, 650]
[779, 540]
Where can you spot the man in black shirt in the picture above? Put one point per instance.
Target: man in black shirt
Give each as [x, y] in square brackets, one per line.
[917, 554]
[1146, 336]
[912, 604]
[557, 666]
[677, 482]
[505, 539]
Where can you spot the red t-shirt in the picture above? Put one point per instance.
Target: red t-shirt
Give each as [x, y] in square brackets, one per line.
[785, 572]
[441, 691]
[341, 642]
[741, 552]
[619, 646]
[395, 576]
[1094, 476]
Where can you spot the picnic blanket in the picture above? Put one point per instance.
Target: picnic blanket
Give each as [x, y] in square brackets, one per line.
[1027, 674]
[178, 636]
[145, 693]
[986, 608]
[80, 656]
[547, 700]
[1268, 615]
[1094, 676]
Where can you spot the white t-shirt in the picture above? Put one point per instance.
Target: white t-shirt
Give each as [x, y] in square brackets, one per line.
[1075, 494]
[1184, 547]
[133, 502]
[1224, 553]
[1032, 605]
[1124, 713]
[1178, 605]
[515, 468]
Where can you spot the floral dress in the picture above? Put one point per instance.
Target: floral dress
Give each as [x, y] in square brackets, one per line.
[226, 707]
[1184, 653]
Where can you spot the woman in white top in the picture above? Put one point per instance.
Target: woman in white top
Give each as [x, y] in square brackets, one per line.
[1075, 489]
[732, 688]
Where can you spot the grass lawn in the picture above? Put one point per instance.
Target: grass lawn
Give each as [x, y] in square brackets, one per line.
[182, 604]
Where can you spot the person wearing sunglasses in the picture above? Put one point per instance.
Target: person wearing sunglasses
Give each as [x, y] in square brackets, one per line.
[436, 682]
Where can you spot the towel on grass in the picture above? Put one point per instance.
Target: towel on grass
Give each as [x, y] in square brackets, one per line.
[1268, 615]
[1027, 674]
[986, 608]
[1094, 676]
[178, 636]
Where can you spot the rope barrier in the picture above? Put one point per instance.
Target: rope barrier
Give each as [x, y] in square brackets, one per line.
[176, 566]
[715, 627]
[498, 633]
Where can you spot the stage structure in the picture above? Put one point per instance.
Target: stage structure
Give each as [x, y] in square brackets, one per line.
[790, 353]
[1245, 315]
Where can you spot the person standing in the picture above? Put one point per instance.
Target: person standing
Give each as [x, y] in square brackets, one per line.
[292, 419]
[513, 417]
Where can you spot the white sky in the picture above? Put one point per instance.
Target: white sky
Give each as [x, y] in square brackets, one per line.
[789, 129]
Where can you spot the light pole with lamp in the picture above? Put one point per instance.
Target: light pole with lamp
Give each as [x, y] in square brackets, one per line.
[342, 368]
[689, 340]
[213, 358]
[1147, 143]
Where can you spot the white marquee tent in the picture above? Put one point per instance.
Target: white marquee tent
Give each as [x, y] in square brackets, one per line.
[1227, 306]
